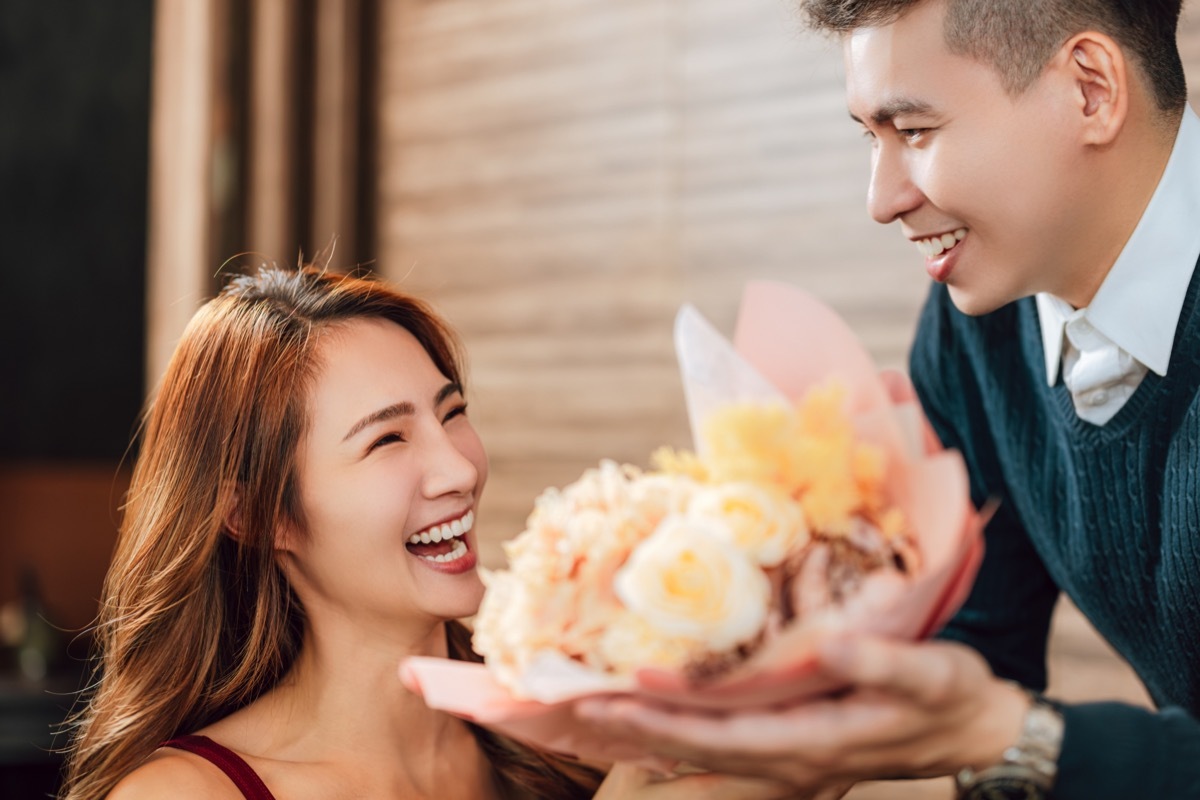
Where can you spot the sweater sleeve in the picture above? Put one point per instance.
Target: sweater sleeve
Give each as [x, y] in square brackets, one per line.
[1117, 751]
[1006, 617]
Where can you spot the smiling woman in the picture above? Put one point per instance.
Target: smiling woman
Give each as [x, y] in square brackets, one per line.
[301, 518]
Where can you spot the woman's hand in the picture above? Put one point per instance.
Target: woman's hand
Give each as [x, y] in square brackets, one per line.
[913, 710]
[626, 781]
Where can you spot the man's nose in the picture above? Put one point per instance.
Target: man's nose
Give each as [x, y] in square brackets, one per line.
[891, 192]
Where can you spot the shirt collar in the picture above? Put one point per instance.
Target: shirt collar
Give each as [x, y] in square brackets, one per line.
[1137, 306]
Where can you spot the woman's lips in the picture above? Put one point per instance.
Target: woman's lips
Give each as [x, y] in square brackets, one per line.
[445, 547]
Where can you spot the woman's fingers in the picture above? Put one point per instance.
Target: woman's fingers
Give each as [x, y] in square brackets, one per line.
[720, 787]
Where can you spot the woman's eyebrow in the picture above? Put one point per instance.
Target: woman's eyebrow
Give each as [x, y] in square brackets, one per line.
[390, 412]
[451, 388]
[401, 409]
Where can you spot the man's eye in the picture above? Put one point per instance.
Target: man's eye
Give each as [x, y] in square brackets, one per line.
[912, 134]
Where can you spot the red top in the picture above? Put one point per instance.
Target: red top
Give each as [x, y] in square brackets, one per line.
[229, 762]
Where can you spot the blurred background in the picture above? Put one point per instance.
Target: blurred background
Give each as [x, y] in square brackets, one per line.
[557, 176]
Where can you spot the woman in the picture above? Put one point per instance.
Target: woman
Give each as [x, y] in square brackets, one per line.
[301, 518]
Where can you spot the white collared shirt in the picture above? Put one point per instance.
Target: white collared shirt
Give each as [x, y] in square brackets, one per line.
[1107, 348]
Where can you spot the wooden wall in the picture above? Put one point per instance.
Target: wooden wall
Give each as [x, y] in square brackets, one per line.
[560, 176]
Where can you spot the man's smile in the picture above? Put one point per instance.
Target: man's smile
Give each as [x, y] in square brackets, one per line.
[935, 245]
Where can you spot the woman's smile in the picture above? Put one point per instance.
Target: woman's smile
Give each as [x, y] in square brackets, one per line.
[446, 546]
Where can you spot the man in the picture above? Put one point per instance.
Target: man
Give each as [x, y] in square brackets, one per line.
[1041, 157]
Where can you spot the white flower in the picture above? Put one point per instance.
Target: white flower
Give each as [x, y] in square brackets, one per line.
[689, 580]
[763, 523]
[630, 643]
[658, 494]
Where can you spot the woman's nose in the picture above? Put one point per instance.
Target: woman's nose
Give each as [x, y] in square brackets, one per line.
[448, 469]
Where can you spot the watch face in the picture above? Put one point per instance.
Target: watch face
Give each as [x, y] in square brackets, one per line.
[1004, 787]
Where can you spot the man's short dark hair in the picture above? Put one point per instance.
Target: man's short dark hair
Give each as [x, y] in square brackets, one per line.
[1018, 37]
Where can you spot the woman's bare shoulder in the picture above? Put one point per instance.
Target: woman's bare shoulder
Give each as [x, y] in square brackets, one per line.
[175, 773]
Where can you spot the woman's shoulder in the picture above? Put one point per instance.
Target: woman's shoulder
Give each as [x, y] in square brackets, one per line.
[175, 773]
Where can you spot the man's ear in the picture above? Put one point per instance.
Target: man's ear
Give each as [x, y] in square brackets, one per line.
[1100, 75]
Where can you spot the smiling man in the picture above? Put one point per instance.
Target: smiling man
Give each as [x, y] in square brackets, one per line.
[1041, 157]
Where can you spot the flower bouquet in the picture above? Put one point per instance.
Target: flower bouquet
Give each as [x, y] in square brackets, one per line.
[812, 505]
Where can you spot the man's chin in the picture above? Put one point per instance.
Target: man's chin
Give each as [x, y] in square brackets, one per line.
[975, 303]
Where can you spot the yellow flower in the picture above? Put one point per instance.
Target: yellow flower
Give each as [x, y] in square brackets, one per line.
[809, 452]
[679, 462]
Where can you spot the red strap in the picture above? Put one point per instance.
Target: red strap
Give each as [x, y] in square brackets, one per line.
[229, 762]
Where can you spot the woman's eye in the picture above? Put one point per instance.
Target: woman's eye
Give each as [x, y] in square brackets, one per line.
[457, 411]
[384, 440]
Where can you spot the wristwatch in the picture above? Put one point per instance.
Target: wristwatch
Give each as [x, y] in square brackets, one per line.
[1028, 767]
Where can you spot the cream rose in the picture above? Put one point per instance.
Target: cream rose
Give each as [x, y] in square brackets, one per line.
[764, 524]
[629, 643]
[689, 580]
[656, 495]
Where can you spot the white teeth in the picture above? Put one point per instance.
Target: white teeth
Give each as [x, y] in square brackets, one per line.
[444, 533]
[459, 550]
[936, 245]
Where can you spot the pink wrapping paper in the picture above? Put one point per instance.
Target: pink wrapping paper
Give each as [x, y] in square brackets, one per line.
[786, 342]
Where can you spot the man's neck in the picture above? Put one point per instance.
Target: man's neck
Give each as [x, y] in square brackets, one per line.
[1122, 179]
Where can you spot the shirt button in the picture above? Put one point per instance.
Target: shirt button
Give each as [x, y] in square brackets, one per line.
[1097, 398]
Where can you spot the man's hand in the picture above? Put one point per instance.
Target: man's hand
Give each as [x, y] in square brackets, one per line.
[913, 710]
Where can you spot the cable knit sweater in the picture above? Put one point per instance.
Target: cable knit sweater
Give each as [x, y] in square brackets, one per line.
[1110, 515]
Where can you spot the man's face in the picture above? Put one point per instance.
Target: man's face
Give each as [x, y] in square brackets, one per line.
[982, 182]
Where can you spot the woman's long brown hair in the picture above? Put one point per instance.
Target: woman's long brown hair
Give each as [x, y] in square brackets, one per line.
[195, 623]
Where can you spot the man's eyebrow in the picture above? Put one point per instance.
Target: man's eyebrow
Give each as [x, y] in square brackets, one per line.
[895, 108]
[401, 409]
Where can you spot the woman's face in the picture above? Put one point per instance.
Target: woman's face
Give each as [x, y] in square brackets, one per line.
[389, 466]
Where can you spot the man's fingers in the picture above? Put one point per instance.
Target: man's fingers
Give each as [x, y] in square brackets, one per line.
[925, 673]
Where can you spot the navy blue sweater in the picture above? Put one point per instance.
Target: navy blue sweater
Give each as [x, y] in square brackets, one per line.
[1108, 514]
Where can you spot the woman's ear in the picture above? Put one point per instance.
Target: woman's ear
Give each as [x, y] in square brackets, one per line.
[285, 537]
[234, 520]
[1101, 78]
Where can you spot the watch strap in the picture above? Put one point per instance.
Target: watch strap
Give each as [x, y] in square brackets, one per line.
[1031, 762]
